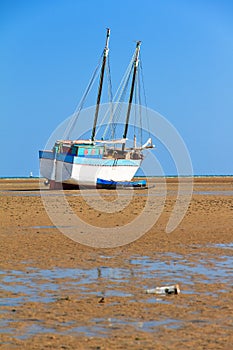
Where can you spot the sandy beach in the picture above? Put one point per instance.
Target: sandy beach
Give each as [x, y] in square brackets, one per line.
[59, 294]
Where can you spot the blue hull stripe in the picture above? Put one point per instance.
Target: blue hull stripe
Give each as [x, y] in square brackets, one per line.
[46, 155]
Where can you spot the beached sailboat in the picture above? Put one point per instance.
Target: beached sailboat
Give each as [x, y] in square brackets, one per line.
[93, 161]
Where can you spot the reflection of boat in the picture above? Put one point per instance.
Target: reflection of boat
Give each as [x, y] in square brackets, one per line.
[83, 161]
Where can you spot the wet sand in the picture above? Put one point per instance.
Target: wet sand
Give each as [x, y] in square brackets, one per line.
[51, 286]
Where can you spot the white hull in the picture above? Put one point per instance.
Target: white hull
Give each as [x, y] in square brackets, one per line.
[87, 174]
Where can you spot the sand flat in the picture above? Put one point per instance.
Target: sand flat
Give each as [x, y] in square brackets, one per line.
[51, 286]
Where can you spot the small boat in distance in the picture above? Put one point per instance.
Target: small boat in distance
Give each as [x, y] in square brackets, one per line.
[92, 161]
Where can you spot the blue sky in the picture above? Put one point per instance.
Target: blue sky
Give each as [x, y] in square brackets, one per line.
[49, 50]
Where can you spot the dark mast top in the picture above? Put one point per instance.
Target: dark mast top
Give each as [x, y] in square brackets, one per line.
[136, 61]
[105, 55]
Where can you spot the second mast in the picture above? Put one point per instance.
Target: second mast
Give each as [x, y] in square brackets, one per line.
[105, 55]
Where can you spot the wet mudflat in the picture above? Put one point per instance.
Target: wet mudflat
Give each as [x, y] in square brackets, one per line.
[58, 294]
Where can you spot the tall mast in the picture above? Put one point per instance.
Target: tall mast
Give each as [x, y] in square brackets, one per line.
[136, 60]
[105, 55]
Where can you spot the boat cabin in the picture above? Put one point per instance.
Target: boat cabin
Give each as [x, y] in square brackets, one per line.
[90, 150]
[79, 150]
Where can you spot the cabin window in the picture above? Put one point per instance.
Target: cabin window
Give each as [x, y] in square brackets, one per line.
[90, 152]
[73, 151]
[81, 151]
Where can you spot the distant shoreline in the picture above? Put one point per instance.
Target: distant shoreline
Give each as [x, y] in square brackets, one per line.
[152, 176]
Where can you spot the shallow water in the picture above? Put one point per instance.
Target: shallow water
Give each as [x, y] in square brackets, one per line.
[214, 193]
[225, 246]
[181, 269]
[142, 272]
[100, 327]
[192, 272]
[120, 193]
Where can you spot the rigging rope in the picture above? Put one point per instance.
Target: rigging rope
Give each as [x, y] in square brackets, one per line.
[114, 109]
[110, 98]
[117, 99]
[74, 117]
[144, 93]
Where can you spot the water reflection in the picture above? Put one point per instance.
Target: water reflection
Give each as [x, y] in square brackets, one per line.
[139, 272]
[142, 272]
